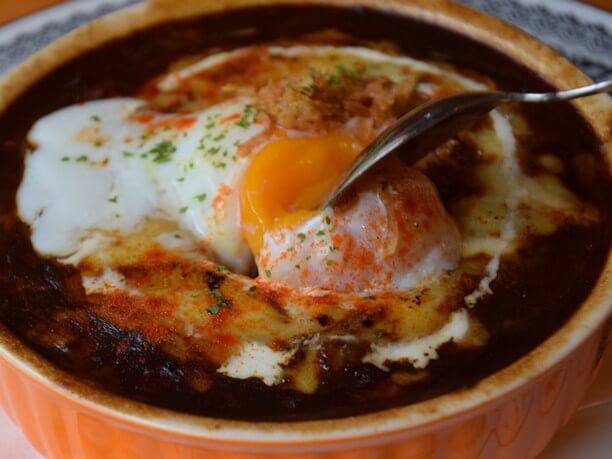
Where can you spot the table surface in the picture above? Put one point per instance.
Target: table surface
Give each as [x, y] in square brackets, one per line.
[582, 432]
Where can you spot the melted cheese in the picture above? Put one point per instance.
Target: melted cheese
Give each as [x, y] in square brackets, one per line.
[420, 351]
[256, 360]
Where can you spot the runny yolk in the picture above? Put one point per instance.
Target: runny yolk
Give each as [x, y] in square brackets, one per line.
[288, 178]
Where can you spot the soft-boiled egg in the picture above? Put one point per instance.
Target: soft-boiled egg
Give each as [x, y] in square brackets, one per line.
[236, 185]
[286, 180]
[391, 235]
[101, 169]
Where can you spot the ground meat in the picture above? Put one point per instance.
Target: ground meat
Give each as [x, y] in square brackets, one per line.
[331, 101]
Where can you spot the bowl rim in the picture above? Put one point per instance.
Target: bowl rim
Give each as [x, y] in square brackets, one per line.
[412, 419]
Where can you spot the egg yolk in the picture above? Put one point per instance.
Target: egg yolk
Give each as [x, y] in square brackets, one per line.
[287, 180]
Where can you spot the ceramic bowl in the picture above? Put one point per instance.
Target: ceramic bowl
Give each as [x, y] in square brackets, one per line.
[510, 414]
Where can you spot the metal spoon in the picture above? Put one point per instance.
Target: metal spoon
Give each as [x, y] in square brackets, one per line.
[429, 125]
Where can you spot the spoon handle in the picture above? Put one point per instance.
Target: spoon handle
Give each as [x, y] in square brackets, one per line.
[583, 91]
[429, 125]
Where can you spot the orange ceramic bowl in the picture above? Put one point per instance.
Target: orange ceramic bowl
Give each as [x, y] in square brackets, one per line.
[510, 414]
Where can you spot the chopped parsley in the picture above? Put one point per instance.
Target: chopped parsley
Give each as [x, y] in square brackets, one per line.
[252, 288]
[320, 233]
[65, 158]
[98, 143]
[200, 197]
[327, 220]
[329, 262]
[342, 71]
[210, 125]
[249, 116]
[301, 237]
[308, 257]
[310, 88]
[114, 199]
[268, 273]
[221, 301]
[95, 118]
[219, 137]
[162, 152]
[297, 266]
[82, 159]
[183, 209]
[127, 154]
[333, 80]
[214, 309]
[217, 294]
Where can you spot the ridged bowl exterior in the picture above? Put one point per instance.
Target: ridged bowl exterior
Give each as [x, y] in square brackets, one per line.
[519, 425]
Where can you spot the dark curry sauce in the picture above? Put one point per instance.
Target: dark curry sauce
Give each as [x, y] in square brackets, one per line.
[43, 303]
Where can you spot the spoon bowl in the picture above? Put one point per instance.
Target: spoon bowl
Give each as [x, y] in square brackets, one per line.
[427, 126]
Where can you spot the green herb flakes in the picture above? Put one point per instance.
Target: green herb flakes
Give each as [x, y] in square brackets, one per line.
[249, 116]
[162, 152]
[221, 301]
[333, 81]
[310, 88]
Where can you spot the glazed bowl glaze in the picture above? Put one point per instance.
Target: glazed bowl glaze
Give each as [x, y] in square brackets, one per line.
[514, 412]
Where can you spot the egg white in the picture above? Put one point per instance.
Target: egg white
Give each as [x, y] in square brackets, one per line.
[95, 173]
